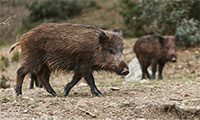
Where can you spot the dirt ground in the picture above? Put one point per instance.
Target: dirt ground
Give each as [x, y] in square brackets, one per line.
[175, 97]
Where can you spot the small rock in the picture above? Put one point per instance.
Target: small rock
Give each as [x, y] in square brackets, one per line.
[135, 71]
[144, 81]
[186, 95]
[25, 111]
[114, 88]
[180, 67]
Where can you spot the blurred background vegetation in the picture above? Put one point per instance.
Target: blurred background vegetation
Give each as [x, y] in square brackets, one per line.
[134, 17]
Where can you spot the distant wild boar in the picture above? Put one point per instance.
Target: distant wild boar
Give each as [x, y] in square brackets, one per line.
[155, 50]
[71, 47]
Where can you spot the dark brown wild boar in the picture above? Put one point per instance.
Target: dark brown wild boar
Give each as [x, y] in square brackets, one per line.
[155, 50]
[70, 47]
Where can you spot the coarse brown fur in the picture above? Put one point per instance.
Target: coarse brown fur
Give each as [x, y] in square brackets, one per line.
[153, 50]
[70, 47]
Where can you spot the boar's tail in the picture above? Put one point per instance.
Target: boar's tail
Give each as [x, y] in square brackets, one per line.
[13, 46]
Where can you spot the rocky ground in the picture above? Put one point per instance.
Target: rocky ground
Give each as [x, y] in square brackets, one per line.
[175, 97]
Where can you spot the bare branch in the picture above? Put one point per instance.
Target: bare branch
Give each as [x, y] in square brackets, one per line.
[6, 22]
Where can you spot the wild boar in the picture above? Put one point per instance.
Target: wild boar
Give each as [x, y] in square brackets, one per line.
[80, 49]
[155, 50]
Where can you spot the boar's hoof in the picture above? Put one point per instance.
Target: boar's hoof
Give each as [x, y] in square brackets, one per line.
[97, 93]
[52, 92]
[18, 91]
[66, 92]
[39, 85]
[153, 77]
[160, 77]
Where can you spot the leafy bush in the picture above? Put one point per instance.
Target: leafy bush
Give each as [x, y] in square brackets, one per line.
[167, 17]
[189, 32]
[60, 9]
[44, 11]
[4, 63]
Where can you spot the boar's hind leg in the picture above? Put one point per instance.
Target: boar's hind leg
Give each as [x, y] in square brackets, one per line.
[37, 82]
[21, 73]
[34, 79]
[145, 71]
[75, 80]
[161, 66]
[43, 76]
[90, 81]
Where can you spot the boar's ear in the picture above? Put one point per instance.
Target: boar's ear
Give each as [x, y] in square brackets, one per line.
[103, 38]
[119, 31]
[160, 38]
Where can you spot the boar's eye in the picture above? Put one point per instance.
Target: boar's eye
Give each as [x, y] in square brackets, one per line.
[167, 48]
[111, 51]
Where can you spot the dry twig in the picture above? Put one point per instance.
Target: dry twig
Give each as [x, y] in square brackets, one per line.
[6, 22]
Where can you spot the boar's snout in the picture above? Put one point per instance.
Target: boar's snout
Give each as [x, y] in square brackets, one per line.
[125, 71]
[173, 58]
[122, 69]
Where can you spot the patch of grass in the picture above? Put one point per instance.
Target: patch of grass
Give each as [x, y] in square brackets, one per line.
[194, 83]
[5, 100]
[4, 63]
[21, 104]
[16, 56]
[102, 84]
[198, 55]
[62, 108]
[54, 103]
[137, 83]
[126, 104]
[157, 86]
[192, 77]
[59, 93]
[4, 43]
[132, 39]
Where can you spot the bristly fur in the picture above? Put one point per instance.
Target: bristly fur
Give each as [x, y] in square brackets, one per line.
[155, 50]
[70, 47]
[60, 47]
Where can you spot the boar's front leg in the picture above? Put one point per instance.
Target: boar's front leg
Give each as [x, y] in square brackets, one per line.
[161, 66]
[154, 68]
[90, 81]
[76, 78]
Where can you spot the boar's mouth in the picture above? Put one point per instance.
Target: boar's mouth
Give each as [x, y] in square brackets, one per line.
[122, 69]
[173, 59]
[124, 72]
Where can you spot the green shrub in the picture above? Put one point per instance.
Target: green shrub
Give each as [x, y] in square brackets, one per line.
[4, 63]
[143, 17]
[45, 11]
[189, 32]
[16, 56]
